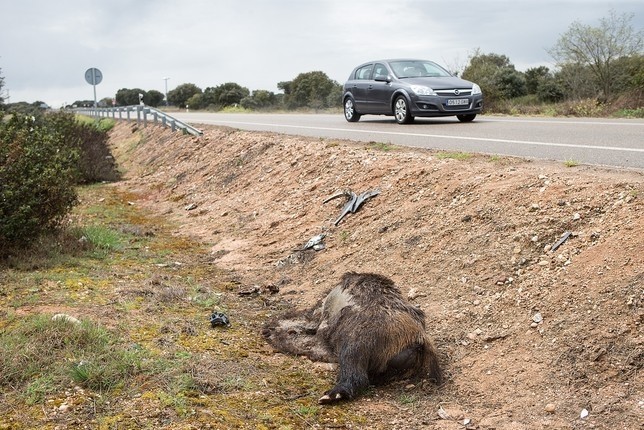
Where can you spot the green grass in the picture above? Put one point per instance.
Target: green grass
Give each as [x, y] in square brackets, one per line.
[101, 124]
[102, 237]
[462, 156]
[630, 113]
[571, 163]
[46, 354]
[381, 146]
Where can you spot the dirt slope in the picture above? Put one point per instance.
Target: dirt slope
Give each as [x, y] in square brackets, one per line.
[520, 328]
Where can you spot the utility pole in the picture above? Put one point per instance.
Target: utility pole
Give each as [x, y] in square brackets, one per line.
[166, 90]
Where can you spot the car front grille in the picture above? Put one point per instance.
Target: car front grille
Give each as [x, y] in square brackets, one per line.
[458, 92]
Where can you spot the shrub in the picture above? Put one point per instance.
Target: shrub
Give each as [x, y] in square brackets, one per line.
[38, 171]
[581, 108]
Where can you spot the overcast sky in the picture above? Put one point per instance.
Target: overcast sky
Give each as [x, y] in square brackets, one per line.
[46, 46]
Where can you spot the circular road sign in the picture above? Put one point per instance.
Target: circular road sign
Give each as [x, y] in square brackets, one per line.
[93, 76]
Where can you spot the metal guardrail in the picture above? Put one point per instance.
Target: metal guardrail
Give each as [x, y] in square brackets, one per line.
[142, 113]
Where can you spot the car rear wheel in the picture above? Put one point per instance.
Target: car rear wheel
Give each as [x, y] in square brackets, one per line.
[401, 111]
[350, 113]
[466, 118]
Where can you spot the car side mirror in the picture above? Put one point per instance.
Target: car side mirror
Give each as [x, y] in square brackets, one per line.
[382, 78]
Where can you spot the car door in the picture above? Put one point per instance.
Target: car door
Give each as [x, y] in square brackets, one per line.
[379, 90]
[360, 87]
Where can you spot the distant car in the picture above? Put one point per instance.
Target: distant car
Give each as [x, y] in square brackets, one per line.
[408, 89]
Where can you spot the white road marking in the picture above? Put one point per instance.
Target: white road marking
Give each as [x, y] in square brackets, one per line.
[441, 136]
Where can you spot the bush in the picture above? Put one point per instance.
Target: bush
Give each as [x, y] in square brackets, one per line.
[38, 171]
[581, 108]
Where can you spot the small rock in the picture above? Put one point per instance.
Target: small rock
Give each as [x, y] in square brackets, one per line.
[550, 408]
[576, 216]
[538, 318]
[191, 206]
[414, 293]
[67, 318]
[584, 414]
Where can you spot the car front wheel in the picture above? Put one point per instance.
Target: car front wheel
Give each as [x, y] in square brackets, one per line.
[401, 111]
[350, 113]
[466, 118]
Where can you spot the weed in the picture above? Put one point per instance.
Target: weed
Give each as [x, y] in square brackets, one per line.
[102, 237]
[408, 399]
[571, 163]
[343, 236]
[630, 113]
[454, 155]
[307, 411]
[38, 389]
[380, 146]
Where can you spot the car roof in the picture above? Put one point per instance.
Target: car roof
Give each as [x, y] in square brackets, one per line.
[390, 60]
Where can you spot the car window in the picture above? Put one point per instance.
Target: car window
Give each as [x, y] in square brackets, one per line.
[380, 71]
[417, 69]
[434, 70]
[364, 72]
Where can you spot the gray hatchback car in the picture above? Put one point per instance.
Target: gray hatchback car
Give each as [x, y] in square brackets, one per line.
[409, 88]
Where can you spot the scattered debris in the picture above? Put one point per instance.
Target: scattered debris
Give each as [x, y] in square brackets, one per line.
[315, 242]
[354, 201]
[191, 206]
[256, 290]
[561, 241]
[442, 413]
[219, 319]
[248, 291]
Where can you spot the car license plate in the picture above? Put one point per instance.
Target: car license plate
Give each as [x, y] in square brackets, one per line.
[457, 102]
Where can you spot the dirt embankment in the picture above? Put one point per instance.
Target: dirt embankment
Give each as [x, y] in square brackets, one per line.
[529, 336]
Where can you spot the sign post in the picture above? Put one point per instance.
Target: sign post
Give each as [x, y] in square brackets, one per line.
[93, 77]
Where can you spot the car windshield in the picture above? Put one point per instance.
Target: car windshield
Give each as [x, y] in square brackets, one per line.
[417, 69]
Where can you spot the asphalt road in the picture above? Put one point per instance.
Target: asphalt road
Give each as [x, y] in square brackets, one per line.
[608, 142]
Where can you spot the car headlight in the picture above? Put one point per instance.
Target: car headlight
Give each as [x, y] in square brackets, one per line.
[422, 90]
[476, 90]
